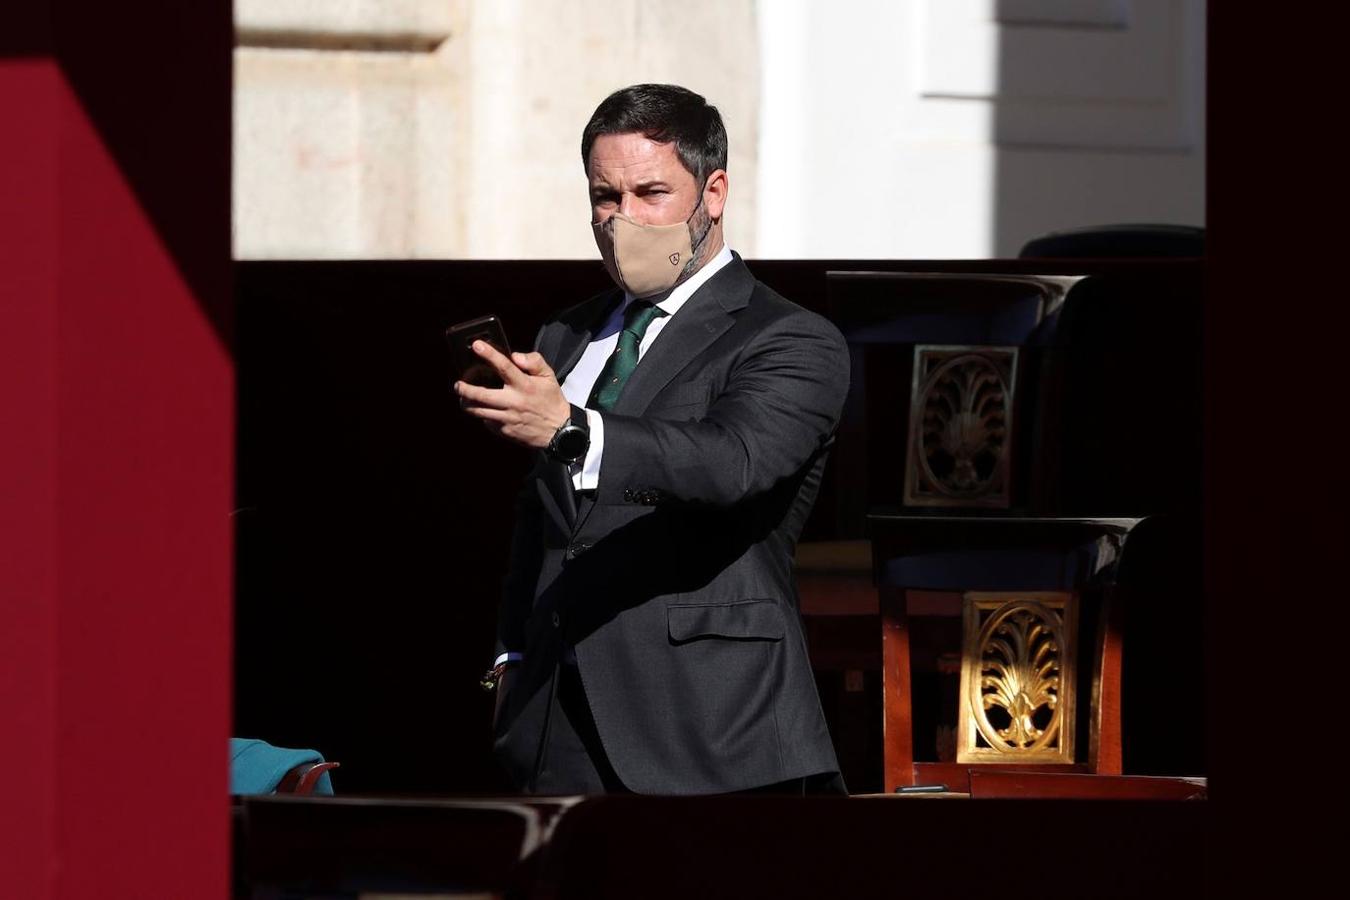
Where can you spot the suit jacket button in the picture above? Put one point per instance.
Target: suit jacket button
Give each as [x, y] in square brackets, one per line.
[556, 619]
[628, 495]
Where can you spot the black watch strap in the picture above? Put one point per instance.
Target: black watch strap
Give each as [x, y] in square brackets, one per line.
[579, 419]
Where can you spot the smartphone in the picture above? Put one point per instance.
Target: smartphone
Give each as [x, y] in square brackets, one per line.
[469, 366]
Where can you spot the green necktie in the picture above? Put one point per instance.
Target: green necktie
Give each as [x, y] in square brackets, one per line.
[624, 359]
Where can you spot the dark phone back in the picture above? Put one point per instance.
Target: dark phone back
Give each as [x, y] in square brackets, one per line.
[469, 366]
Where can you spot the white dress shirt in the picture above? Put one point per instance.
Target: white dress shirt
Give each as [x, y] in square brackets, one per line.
[581, 380]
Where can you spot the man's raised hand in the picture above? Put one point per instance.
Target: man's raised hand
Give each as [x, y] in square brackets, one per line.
[528, 408]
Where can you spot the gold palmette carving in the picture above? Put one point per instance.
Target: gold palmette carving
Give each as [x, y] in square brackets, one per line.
[1019, 673]
[1018, 681]
[960, 424]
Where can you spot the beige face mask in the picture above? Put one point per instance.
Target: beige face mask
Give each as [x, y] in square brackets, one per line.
[646, 260]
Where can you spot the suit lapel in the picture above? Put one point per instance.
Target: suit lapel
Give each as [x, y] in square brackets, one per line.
[577, 330]
[704, 318]
[562, 354]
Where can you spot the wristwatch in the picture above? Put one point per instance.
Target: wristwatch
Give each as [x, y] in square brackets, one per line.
[571, 441]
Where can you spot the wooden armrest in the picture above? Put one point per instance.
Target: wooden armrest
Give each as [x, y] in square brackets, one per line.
[302, 779]
[988, 785]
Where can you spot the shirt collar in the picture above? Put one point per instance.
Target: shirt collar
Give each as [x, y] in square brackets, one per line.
[683, 291]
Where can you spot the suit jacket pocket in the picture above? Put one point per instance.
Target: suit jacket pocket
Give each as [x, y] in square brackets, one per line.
[743, 620]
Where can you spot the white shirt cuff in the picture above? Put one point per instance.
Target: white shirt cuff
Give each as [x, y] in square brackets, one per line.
[586, 474]
[509, 656]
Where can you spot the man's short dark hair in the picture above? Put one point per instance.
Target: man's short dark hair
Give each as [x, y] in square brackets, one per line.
[663, 113]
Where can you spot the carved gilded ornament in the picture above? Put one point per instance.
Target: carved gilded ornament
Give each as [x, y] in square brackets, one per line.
[960, 425]
[1018, 680]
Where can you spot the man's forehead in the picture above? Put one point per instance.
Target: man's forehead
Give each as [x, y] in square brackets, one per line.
[630, 156]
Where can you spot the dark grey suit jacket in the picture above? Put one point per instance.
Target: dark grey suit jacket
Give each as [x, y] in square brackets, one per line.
[674, 580]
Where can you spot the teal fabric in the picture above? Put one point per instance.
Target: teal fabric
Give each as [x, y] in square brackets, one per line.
[621, 363]
[256, 767]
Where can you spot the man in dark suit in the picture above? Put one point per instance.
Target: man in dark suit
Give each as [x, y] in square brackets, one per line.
[649, 636]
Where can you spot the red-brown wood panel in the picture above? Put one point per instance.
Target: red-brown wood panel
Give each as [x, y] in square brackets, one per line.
[956, 777]
[1105, 751]
[1041, 785]
[116, 451]
[29, 91]
[898, 751]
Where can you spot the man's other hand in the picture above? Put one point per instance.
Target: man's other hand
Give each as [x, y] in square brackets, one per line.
[528, 408]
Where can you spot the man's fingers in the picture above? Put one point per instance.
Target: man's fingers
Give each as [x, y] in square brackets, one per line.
[529, 405]
[482, 396]
[505, 368]
[531, 363]
[492, 415]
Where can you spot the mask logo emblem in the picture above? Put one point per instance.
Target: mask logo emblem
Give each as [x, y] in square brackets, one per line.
[674, 259]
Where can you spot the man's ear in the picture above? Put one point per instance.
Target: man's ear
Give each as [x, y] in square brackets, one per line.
[715, 194]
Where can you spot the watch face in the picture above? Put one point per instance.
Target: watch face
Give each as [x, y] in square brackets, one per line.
[571, 443]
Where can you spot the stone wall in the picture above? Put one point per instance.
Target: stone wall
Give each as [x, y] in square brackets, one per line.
[919, 129]
[399, 129]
